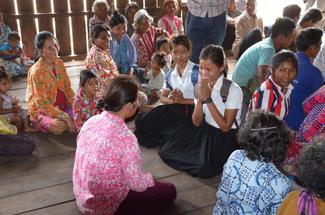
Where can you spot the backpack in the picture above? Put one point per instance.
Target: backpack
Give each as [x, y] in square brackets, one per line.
[224, 92]
[194, 76]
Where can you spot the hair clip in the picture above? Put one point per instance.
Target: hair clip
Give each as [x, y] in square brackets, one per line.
[261, 129]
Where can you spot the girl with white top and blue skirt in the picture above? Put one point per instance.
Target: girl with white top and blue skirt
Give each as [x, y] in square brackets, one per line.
[201, 147]
[177, 96]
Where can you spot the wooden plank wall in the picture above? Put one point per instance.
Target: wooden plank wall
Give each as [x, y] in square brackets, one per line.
[67, 19]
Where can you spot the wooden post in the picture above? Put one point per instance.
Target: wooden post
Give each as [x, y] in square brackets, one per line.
[45, 23]
[78, 28]
[62, 26]
[121, 4]
[27, 26]
[151, 3]
[8, 9]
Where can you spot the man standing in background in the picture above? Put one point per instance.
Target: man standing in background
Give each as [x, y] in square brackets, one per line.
[205, 24]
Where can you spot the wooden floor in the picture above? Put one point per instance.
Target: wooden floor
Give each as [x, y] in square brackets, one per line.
[41, 183]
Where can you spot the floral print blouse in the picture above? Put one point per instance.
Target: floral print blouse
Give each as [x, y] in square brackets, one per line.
[101, 62]
[107, 165]
[84, 108]
[4, 32]
[43, 86]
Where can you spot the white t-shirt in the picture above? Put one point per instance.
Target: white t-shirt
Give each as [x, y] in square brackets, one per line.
[184, 83]
[234, 101]
[155, 82]
[319, 61]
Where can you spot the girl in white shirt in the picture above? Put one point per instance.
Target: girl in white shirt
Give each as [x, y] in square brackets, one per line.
[177, 95]
[203, 148]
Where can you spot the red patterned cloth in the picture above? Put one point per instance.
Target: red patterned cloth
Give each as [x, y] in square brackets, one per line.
[314, 123]
[144, 43]
[84, 108]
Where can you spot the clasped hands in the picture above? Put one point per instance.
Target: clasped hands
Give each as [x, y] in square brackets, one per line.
[204, 89]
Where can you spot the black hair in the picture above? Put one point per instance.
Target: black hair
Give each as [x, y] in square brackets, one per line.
[14, 35]
[117, 19]
[130, 5]
[159, 58]
[311, 169]
[161, 41]
[97, 29]
[40, 39]
[313, 14]
[118, 92]
[3, 74]
[216, 55]
[182, 40]
[283, 56]
[250, 39]
[308, 37]
[85, 76]
[291, 11]
[264, 137]
[283, 26]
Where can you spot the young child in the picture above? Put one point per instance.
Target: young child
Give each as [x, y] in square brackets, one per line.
[163, 45]
[10, 107]
[274, 94]
[155, 76]
[11, 53]
[170, 22]
[177, 95]
[85, 101]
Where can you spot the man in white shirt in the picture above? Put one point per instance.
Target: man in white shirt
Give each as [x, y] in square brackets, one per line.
[205, 24]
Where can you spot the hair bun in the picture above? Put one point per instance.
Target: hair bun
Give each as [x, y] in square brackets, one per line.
[116, 13]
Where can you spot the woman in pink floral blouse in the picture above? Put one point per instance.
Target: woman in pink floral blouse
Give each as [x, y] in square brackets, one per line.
[107, 178]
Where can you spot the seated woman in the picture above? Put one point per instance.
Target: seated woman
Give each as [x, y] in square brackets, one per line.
[100, 8]
[85, 101]
[130, 10]
[144, 37]
[170, 22]
[122, 48]
[11, 55]
[252, 182]
[4, 30]
[314, 122]
[99, 59]
[309, 78]
[203, 148]
[107, 176]
[49, 89]
[274, 94]
[311, 174]
[177, 96]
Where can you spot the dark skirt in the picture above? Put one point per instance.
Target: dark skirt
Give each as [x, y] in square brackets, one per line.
[156, 127]
[16, 145]
[200, 151]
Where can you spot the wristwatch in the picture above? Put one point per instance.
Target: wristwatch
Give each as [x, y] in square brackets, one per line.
[207, 101]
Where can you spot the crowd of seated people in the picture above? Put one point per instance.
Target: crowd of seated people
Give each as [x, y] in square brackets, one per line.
[203, 120]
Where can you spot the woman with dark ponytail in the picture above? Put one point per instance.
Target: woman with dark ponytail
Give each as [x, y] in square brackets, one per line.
[122, 48]
[107, 176]
[201, 147]
[49, 89]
